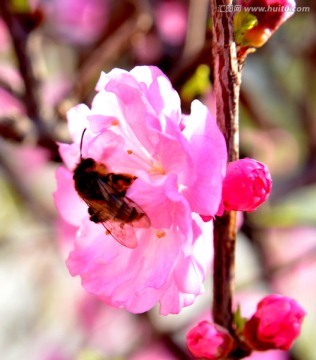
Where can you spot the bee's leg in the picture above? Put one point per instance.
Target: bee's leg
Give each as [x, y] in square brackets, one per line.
[97, 216]
[93, 216]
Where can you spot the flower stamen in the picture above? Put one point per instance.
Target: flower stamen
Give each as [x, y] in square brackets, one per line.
[160, 234]
[115, 122]
[142, 162]
[157, 168]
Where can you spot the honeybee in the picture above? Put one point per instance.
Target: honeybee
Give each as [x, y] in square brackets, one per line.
[105, 194]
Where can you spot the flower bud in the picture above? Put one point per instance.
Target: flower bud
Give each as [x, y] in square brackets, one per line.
[246, 186]
[275, 324]
[209, 341]
[275, 14]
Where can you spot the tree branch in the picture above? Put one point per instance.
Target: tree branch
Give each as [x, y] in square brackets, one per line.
[19, 38]
[227, 78]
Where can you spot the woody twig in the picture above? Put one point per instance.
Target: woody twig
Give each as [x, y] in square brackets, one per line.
[227, 79]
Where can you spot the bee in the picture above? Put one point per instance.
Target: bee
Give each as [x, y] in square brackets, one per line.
[105, 194]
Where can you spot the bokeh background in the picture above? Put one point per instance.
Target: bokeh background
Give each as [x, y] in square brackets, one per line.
[51, 54]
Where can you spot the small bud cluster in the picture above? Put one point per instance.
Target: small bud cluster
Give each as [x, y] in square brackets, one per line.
[259, 19]
[209, 341]
[247, 185]
[275, 325]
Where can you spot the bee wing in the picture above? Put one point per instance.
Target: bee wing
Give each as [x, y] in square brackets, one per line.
[143, 221]
[122, 233]
[108, 193]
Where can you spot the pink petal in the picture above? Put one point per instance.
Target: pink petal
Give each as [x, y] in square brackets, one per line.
[160, 93]
[162, 203]
[67, 201]
[204, 136]
[77, 121]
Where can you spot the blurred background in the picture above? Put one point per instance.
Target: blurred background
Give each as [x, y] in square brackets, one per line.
[51, 54]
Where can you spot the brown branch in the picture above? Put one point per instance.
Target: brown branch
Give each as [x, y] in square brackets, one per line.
[227, 79]
[128, 19]
[223, 272]
[19, 38]
[19, 35]
[227, 76]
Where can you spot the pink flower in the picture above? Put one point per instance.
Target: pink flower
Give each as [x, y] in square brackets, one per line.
[277, 12]
[209, 341]
[78, 21]
[154, 352]
[268, 355]
[276, 323]
[171, 20]
[10, 105]
[135, 126]
[4, 36]
[246, 186]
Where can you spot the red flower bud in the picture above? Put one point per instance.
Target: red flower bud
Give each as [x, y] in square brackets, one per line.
[271, 14]
[209, 341]
[275, 324]
[246, 186]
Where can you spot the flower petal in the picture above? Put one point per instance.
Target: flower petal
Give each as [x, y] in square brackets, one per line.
[204, 136]
[67, 201]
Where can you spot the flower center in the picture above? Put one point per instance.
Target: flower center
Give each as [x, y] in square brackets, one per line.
[160, 234]
[152, 166]
[157, 168]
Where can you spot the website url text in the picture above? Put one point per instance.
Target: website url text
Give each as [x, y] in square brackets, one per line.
[262, 9]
